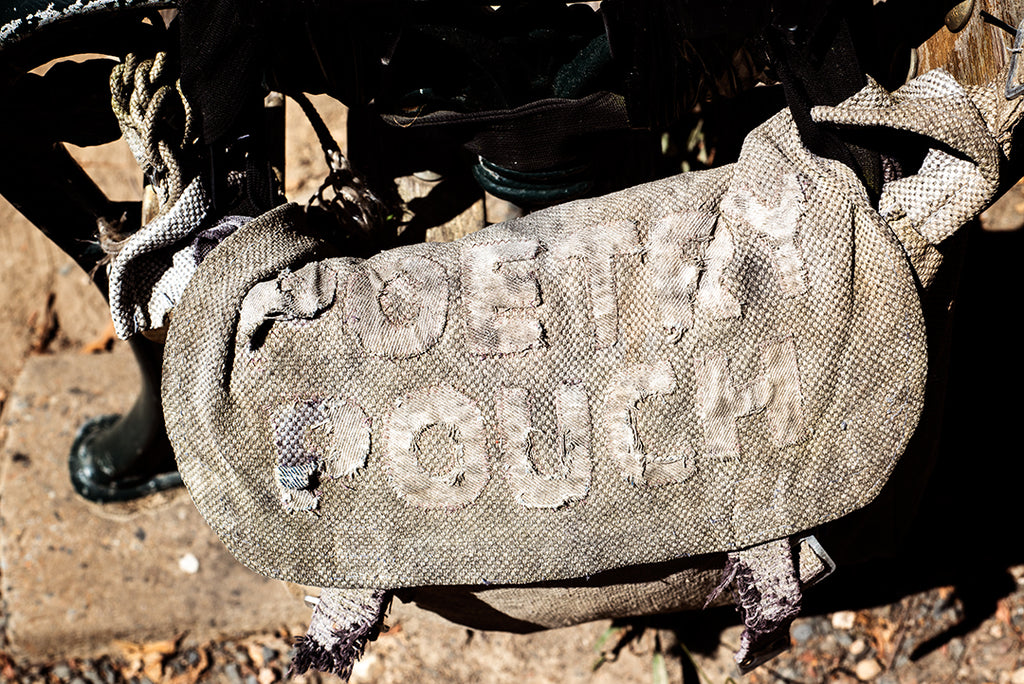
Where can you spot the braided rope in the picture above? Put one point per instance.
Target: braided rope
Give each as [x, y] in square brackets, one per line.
[145, 95]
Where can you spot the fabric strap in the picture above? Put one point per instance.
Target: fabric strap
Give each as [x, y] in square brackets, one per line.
[343, 621]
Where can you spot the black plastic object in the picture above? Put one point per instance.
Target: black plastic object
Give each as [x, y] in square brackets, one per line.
[533, 189]
[119, 458]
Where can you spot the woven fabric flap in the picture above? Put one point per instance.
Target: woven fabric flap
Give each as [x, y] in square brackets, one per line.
[695, 365]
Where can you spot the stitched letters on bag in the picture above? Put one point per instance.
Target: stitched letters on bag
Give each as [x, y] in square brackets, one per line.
[776, 392]
[399, 307]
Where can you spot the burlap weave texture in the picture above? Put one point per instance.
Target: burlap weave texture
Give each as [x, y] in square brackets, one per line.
[691, 366]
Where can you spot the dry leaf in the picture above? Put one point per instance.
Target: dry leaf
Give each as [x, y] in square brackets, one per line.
[7, 670]
[255, 654]
[166, 647]
[133, 654]
[1003, 612]
[43, 327]
[881, 632]
[148, 657]
[103, 343]
[153, 666]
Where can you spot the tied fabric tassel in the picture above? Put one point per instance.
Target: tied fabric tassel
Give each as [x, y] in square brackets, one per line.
[343, 621]
[768, 595]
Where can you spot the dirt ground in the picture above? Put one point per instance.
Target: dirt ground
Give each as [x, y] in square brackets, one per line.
[948, 606]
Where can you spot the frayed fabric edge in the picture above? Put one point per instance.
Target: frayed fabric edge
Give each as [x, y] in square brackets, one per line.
[343, 621]
[768, 595]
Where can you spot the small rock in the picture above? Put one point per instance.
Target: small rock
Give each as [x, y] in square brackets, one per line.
[996, 631]
[1017, 677]
[868, 669]
[267, 676]
[255, 653]
[858, 647]
[109, 676]
[174, 667]
[844, 619]
[268, 654]
[62, 672]
[242, 656]
[802, 632]
[232, 674]
[367, 669]
[189, 564]
[955, 648]
[1017, 618]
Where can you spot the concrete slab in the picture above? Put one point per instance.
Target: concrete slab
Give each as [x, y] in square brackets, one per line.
[78, 575]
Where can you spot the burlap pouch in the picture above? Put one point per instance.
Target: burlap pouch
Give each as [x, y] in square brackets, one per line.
[590, 411]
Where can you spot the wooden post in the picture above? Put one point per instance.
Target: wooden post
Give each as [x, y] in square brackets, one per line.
[978, 52]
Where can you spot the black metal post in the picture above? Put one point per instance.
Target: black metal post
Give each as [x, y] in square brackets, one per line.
[113, 458]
